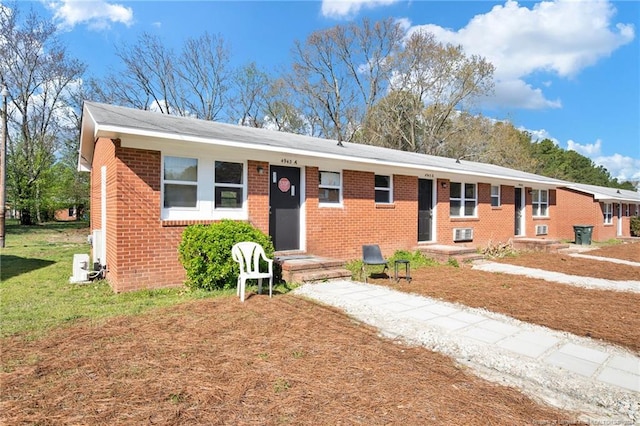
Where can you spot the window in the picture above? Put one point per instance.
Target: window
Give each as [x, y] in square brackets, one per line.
[540, 202]
[608, 213]
[329, 187]
[180, 182]
[228, 185]
[383, 189]
[495, 195]
[627, 210]
[462, 199]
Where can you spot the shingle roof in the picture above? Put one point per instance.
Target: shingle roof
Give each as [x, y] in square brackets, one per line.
[111, 121]
[602, 193]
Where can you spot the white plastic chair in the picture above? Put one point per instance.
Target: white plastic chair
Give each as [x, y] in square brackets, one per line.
[248, 255]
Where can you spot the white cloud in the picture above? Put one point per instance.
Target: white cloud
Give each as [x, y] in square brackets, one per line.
[619, 166]
[97, 15]
[588, 150]
[348, 8]
[519, 94]
[539, 135]
[559, 37]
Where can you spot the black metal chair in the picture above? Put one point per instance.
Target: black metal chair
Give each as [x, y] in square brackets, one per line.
[371, 255]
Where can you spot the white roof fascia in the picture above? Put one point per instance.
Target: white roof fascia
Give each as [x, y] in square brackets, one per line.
[111, 131]
[88, 133]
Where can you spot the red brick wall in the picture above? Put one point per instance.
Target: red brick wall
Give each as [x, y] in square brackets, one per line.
[340, 232]
[64, 216]
[258, 196]
[493, 224]
[577, 208]
[142, 249]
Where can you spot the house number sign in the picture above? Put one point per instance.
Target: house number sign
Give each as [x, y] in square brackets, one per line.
[284, 185]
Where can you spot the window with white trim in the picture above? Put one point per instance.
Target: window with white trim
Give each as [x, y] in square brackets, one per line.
[627, 210]
[180, 182]
[495, 195]
[607, 212]
[383, 189]
[462, 199]
[228, 185]
[330, 187]
[540, 202]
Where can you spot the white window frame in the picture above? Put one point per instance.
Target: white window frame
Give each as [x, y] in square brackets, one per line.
[179, 182]
[607, 213]
[538, 204]
[241, 186]
[496, 197]
[388, 189]
[338, 187]
[463, 200]
[205, 206]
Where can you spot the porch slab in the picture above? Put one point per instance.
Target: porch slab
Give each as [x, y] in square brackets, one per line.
[302, 267]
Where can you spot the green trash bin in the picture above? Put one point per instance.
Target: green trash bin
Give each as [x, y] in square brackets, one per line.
[583, 234]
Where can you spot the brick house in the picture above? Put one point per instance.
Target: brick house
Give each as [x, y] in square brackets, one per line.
[608, 210]
[153, 174]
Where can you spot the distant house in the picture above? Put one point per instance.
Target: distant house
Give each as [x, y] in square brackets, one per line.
[66, 215]
[608, 210]
[152, 175]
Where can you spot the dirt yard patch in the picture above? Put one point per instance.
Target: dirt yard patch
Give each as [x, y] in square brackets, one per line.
[627, 251]
[267, 361]
[561, 262]
[600, 314]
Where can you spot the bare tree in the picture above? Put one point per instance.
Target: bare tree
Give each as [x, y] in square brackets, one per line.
[204, 76]
[150, 69]
[445, 81]
[39, 74]
[395, 122]
[340, 72]
[281, 113]
[249, 104]
[193, 82]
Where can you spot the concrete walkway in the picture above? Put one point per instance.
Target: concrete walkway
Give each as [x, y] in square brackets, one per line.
[586, 282]
[574, 373]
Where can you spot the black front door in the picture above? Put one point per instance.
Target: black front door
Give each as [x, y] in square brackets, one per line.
[518, 215]
[425, 209]
[284, 207]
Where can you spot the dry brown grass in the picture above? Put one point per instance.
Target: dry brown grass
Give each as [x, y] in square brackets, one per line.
[278, 361]
[288, 361]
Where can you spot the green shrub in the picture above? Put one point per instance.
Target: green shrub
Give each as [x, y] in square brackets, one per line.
[635, 226]
[416, 258]
[205, 252]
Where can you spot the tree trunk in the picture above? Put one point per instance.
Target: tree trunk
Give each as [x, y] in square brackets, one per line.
[25, 217]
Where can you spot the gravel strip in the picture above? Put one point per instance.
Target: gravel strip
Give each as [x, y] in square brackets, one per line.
[597, 401]
[557, 277]
[605, 259]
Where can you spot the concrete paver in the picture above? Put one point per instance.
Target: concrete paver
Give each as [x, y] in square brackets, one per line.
[489, 340]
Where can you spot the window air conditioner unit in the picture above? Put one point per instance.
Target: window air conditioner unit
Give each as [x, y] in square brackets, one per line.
[542, 229]
[462, 234]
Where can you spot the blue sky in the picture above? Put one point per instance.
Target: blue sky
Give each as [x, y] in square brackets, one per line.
[565, 70]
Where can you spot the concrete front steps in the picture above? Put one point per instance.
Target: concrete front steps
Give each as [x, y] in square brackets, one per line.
[442, 253]
[301, 268]
[538, 244]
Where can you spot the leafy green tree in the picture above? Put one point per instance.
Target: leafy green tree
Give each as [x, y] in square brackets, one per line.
[39, 74]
